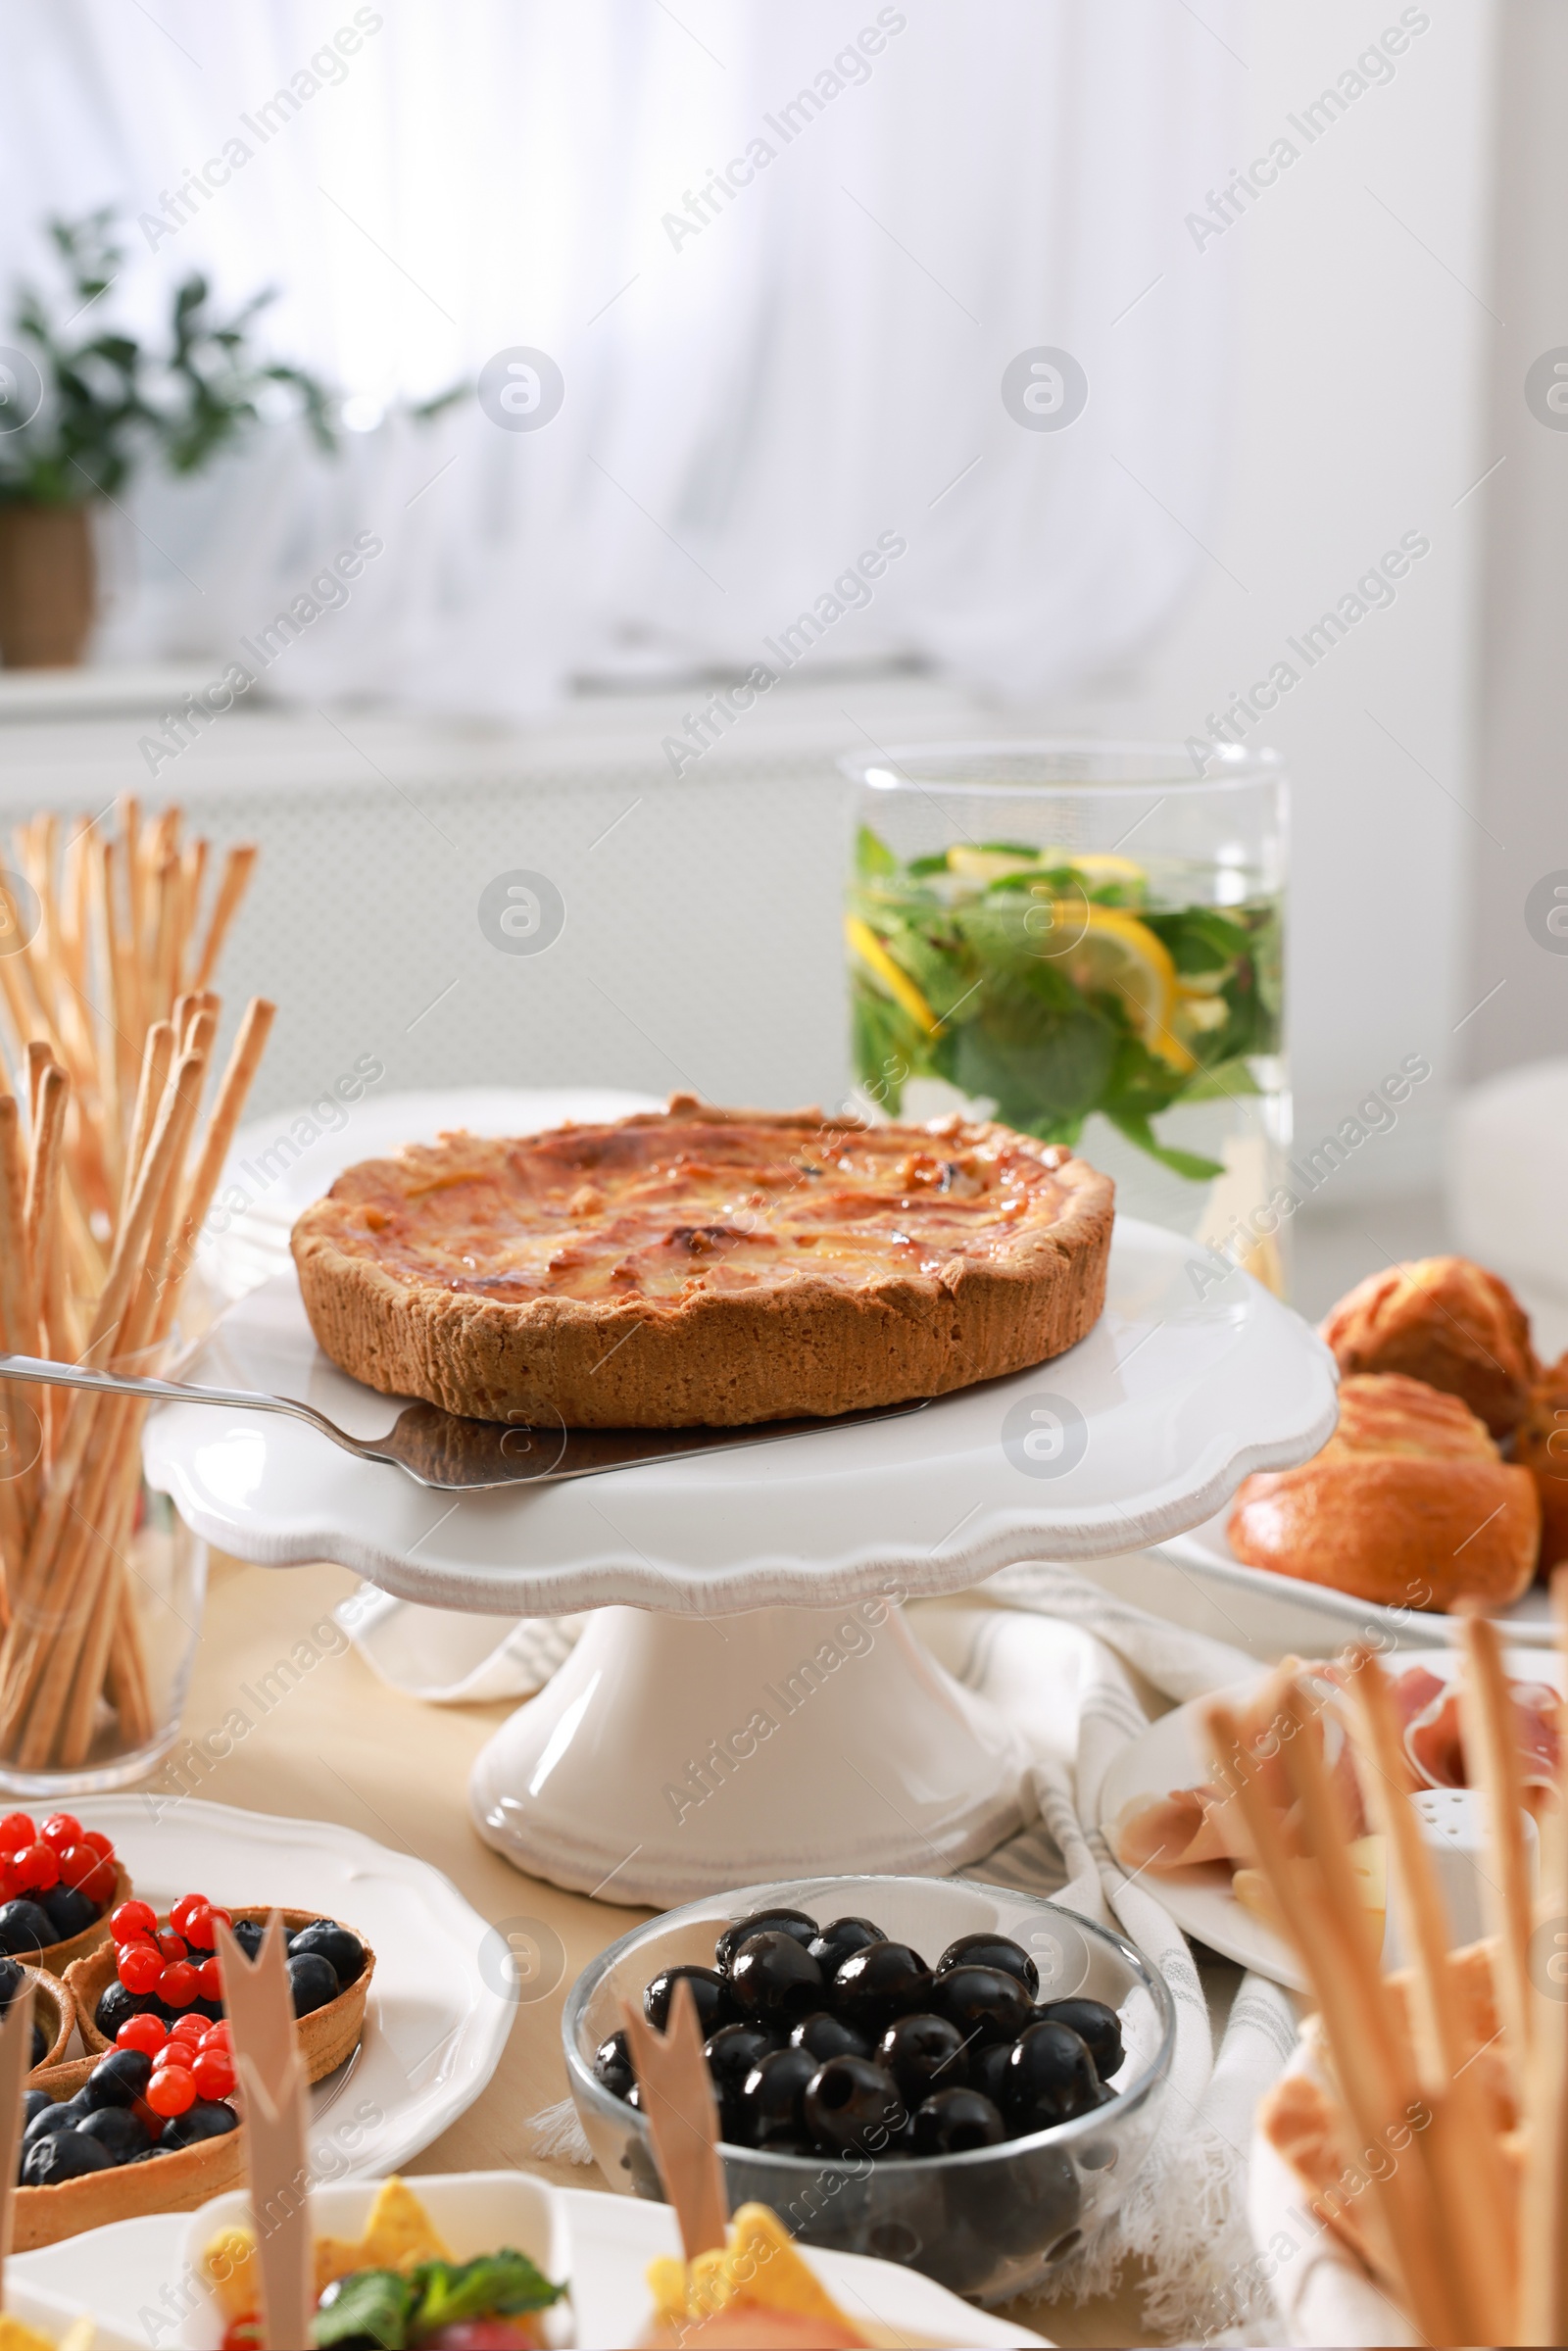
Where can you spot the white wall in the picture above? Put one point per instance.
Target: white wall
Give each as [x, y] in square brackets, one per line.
[1364, 333]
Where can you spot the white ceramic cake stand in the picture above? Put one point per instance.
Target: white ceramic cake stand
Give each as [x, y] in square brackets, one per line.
[748, 1702]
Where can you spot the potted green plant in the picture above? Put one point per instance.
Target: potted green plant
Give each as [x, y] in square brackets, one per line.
[81, 412]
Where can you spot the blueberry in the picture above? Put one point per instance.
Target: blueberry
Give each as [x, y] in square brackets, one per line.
[118, 2004]
[854, 2107]
[117, 2080]
[836, 1942]
[343, 1952]
[25, 1929]
[992, 1951]
[953, 2120]
[49, 2119]
[12, 1981]
[34, 2103]
[827, 2035]
[984, 2003]
[41, 2046]
[66, 2155]
[1050, 2078]
[313, 1982]
[879, 1982]
[207, 2119]
[69, 1912]
[710, 1991]
[774, 1977]
[1098, 2027]
[770, 2102]
[118, 2131]
[250, 1934]
[923, 2054]
[612, 2066]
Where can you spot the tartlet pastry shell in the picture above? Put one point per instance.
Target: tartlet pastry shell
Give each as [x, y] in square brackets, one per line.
[326, 2036]
[177, 2182]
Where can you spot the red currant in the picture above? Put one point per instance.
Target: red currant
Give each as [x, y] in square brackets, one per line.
[171, 2090]
[172, 1947]
[212, 1980]
[100, 1844]
[16, 1831]
[132, 1918]
[36, 1868]
[99, 1884]
[198, 1929]
[177, 1985]
[188, 2028]
[140, 1968]
[213, 2074]
[61, 1829]
[181, 1910]
[218, 2036]
[143, 2033]
[76, 1864]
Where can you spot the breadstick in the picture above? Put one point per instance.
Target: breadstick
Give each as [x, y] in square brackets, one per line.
[1491, 1760]
[238, 866]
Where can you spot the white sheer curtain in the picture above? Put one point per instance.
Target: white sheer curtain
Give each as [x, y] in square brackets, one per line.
[749, 403]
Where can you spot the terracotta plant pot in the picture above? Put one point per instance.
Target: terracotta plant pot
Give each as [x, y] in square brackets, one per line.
[327, 2035]
[48, 587]
[179, 2182]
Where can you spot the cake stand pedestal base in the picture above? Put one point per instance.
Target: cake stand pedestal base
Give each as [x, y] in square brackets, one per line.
[673, 1756]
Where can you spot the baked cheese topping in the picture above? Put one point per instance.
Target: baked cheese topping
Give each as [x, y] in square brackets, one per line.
[658, 1210]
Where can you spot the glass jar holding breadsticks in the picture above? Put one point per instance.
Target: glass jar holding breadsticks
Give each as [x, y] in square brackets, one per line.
[109, 940]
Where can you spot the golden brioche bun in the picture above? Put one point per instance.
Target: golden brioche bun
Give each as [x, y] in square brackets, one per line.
[1408, 1504]
[1541, 1445]
[1446, 1321]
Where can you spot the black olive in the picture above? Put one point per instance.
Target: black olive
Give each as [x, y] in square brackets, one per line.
[762, 1921]
[117, 2080]
[992, 1951]
[612, 2066]
[1050, 2078]
[923, 2054]
[1098, 2027]
[835, 1943]
[732, 2052]
[884, 1981]
[827, 2035]
[772, 2095]
[117, 2128]
[209, 2118]
[714, 2006]
[985, 2065]
[67, 2155]
[953, 2120]
[774, 1977]
[984, 2003]
[854, 2107]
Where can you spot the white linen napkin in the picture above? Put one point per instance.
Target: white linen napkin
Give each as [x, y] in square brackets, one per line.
[1065, 1661]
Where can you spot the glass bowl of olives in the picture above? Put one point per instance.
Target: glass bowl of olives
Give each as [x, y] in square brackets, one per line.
[954, 2076]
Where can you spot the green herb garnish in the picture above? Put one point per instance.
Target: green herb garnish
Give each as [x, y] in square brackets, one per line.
[396, 2309]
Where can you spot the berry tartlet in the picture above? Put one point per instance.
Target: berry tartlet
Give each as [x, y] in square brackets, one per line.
[162, 1975]
[59, 1881]
[109, 2138]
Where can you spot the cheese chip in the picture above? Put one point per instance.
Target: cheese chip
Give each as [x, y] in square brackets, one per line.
[758, 2268]
[16, 2335]
[227, 2264]
[399, 2231]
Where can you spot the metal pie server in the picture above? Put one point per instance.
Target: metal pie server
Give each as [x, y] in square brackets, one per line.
[452, 1455]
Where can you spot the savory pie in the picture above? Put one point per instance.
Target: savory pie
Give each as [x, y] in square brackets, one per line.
[697, 1267]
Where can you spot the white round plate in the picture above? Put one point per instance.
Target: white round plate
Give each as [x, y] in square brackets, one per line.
[1180, 1390]
[1172, 1753]
[137, 2273]
[1205, 1555]
[434, 2027]
[284, 1161]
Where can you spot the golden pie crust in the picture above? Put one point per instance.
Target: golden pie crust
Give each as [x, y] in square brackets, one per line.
[702, 1267]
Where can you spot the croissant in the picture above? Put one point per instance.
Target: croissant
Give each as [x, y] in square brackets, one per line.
[1540, 1444]
[1409, 1504]
[1443, 1320]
